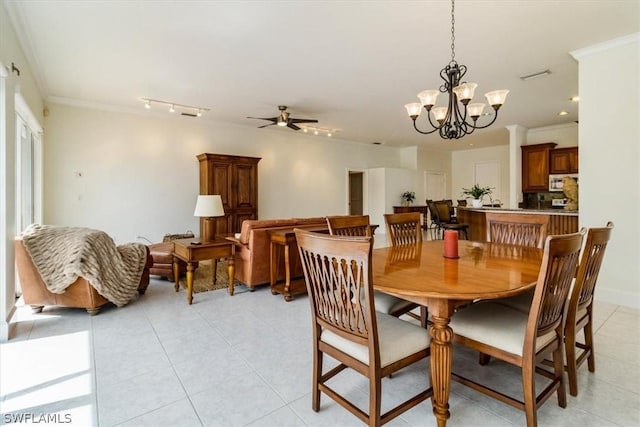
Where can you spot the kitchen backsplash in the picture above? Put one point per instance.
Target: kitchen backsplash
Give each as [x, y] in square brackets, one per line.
[539, 200]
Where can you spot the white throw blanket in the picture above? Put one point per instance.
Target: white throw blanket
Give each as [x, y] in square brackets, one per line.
[62, 254]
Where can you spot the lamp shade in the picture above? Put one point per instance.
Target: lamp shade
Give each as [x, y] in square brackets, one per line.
[209, 206]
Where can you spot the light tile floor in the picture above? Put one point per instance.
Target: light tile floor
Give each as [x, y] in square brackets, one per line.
[246, 361]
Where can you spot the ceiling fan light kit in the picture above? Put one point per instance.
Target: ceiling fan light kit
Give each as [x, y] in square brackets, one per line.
[452, 122]
[191, 110]
[284, 119]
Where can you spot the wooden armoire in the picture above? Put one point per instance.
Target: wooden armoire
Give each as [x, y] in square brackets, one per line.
[235, 179]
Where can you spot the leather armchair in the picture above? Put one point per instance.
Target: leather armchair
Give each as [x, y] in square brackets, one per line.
[79, 294]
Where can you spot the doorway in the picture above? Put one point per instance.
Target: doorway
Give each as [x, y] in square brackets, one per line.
[356, 192]
[435, 185]
[28, 172]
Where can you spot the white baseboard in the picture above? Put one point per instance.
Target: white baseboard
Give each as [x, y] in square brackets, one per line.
[6, 327]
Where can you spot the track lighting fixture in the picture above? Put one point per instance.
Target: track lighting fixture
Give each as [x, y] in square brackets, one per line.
[189, 110]
[318, 130]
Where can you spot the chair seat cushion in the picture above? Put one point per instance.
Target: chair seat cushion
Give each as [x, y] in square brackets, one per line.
[497, 325]
[388, 304]
[398, 339]
[521, 302]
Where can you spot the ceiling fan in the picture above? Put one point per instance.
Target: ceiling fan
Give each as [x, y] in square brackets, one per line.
[283, 119]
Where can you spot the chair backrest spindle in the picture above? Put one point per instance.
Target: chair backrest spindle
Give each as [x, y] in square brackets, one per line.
[559, 266]
[333, 280]
[404, 228]
[517, 229]
[349, 225]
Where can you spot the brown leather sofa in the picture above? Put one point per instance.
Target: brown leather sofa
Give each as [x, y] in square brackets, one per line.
[79, 294]
[252, 262]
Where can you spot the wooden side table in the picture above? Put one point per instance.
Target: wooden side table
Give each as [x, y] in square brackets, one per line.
[284, 238]
[194, 249]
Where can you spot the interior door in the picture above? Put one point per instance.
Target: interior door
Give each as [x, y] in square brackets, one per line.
[356, 191]
[435, 185]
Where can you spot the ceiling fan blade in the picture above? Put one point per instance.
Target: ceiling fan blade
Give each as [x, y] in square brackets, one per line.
[292, 126]
[273, 119]
[303, 121]
[264, 126]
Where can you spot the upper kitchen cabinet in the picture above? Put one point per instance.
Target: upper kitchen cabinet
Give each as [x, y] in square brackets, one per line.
[563, 160]
[535, 167]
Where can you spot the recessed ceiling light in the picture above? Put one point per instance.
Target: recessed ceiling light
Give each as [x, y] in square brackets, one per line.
[377, 143]
[574, 98]
[563, 113]
[535, 75]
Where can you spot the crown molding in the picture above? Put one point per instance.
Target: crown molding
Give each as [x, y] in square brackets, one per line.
[553, 127]
[16, 16]
[604, 46]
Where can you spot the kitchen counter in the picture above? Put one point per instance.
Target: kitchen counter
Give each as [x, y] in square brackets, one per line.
[560, 221]
[523, 210]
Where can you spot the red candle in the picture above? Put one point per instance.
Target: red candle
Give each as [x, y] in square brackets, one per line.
[451, 244]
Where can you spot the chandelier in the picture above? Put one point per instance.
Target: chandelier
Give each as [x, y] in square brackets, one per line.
[452, 121]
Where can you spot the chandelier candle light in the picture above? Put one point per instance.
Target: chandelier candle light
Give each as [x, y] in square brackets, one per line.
[452, 122]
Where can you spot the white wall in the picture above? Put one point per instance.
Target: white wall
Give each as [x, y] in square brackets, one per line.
[609, 157]
[565, 135]
[463, 168]
[140, 173]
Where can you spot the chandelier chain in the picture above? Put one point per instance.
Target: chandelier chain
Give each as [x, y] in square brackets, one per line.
[459, 117]
[453, 32]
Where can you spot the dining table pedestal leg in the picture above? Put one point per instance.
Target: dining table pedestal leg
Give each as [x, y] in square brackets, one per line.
[441, 359]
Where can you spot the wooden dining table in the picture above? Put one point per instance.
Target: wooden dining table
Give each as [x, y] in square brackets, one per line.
[421, 274]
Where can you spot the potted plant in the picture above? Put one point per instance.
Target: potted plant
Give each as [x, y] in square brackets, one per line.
[408, 197]
[477, 193]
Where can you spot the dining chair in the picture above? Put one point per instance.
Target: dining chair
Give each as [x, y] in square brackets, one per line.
[580, 311]
[359, 225]
[517, 229]
[434, 227]
[446, 221]
[526, 339]
[348, 329]
[403, 228]
[521, 230]
[580, 305]
[349, 225]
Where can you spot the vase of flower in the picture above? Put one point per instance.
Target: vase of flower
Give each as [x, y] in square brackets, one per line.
[477, 193]
[408, 197]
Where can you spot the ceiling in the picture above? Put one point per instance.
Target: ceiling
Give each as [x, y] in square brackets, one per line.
[350, 64]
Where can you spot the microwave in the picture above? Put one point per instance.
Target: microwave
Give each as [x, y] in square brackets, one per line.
[555, 181]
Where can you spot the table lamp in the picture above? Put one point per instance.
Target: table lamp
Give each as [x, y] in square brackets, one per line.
[208, 207]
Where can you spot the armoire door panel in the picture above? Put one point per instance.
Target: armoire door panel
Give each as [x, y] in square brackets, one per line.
[235, 179]
[245, 191]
